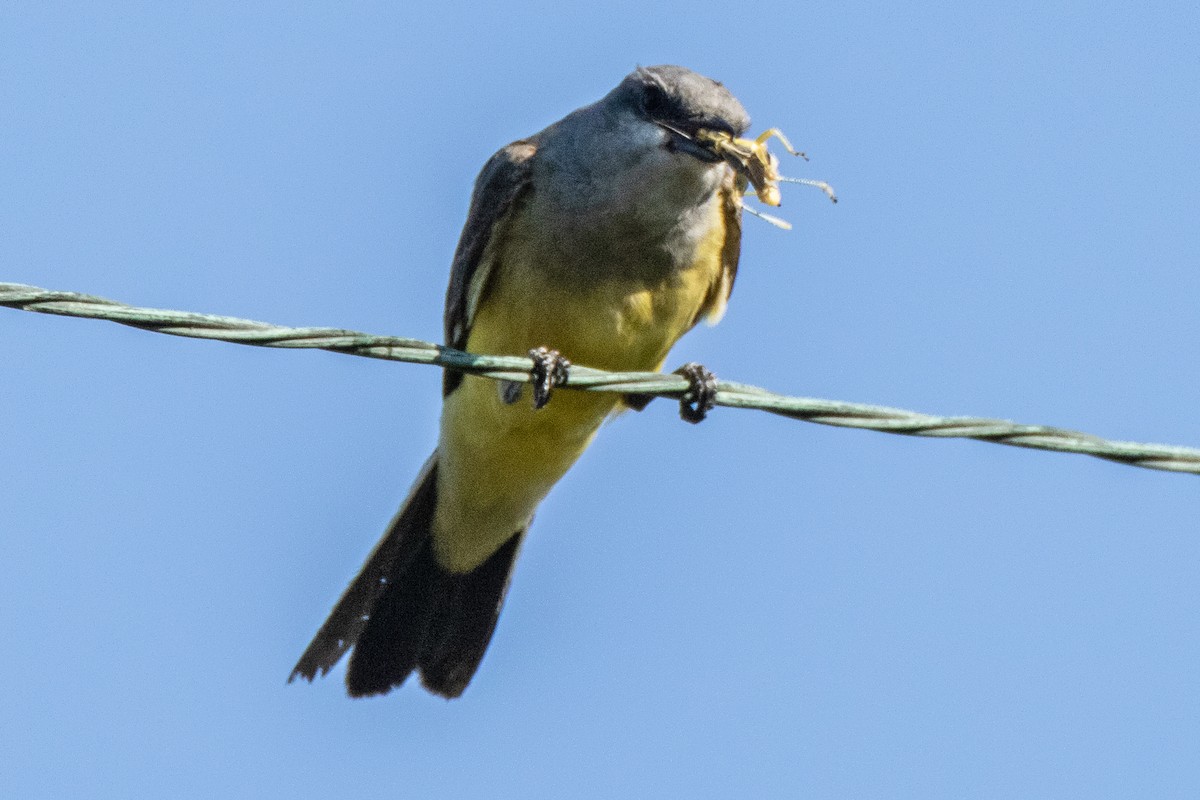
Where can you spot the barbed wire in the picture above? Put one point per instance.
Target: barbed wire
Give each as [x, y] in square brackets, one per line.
[517, 368]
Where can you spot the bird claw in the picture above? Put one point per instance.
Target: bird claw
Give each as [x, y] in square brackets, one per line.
[549, 370]
[701, 396]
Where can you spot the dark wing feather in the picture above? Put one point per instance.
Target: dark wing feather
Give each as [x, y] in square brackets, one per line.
[501, 183]
[731, 250]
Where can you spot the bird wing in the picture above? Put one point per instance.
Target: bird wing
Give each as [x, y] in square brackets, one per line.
[504, 180]
[713, 307]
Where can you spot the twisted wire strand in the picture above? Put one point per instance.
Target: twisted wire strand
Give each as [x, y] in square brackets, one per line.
[516, 368]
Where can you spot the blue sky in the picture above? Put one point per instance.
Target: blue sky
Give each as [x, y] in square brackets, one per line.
[749, 607]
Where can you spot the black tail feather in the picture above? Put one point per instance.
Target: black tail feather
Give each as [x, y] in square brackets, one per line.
[405, 612]
[462, 626]
[396, 632]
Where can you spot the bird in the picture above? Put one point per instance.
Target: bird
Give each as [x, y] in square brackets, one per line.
[603, 238]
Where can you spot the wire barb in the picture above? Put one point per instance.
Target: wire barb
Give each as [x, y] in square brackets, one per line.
[516, 369]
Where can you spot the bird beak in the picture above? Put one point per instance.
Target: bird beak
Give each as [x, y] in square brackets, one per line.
[680, 141]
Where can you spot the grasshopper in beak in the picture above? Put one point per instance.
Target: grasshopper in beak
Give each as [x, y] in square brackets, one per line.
[751, 159]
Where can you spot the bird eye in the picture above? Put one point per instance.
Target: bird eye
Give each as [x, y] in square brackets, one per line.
[654, 100]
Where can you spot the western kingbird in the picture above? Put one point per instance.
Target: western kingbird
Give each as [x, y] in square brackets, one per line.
[606, 236]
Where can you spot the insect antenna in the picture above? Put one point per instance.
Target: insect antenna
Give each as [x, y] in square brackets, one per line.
[822, 185]
[776, 221]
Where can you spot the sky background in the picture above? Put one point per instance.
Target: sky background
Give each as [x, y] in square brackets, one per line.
[750, 607]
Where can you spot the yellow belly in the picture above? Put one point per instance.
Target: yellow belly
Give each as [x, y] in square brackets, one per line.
[497, 461]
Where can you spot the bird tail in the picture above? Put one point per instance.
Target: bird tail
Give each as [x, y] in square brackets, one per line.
[404, 611]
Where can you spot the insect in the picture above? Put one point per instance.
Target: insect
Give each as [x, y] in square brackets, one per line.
[751, 159]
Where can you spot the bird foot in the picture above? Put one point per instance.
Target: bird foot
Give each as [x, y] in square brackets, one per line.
[549, 370]
[701, 396]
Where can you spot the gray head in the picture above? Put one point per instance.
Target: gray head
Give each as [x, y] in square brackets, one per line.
[682, 101]
[633, 158]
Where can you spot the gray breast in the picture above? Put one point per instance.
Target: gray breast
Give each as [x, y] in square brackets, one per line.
[611, 201]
